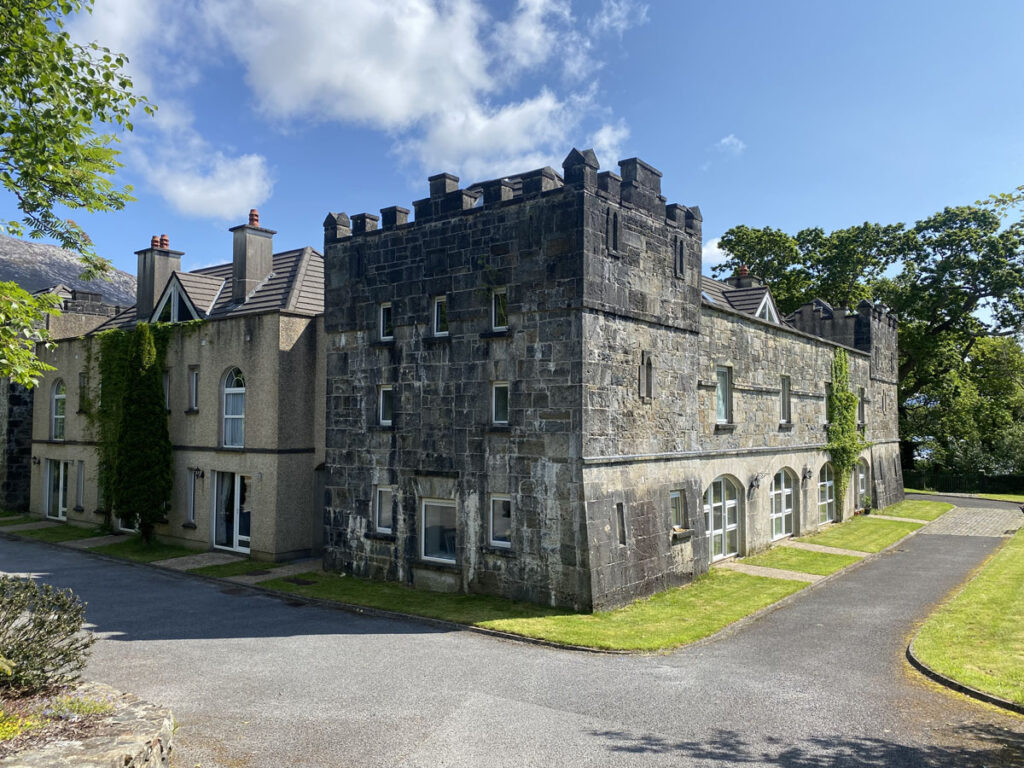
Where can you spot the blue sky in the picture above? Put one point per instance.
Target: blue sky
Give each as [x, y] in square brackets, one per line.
[788, 114]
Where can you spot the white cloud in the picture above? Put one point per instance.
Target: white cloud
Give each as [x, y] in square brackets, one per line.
[607, 143]
[712, 253]
[213, 185]
[617, 16]
[731, 145]
[532, 35]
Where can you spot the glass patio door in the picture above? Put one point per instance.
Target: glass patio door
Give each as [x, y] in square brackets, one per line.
[721, 513]
[782, 505]
[57, 488]
[232, 514]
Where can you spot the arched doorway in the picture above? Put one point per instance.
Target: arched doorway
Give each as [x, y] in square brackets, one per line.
[722, 518]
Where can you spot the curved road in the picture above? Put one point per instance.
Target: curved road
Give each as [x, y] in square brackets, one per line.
[256, 681]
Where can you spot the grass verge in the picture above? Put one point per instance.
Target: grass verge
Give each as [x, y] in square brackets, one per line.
[977, 638]
[922, 510]
[801, 560]
[1017, 498]
[237, 568]
[58, 533]
[665, 620]
[863, 534]
[15, 519]
[141, 552]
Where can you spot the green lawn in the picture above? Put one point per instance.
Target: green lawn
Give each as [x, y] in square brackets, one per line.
[977, 637]
[16, 519]
[666, 620]
[58, 533]
[863, 534]
[1017, 498]
[136, 549]
[922, 510]
[801, 560]
[236, 568]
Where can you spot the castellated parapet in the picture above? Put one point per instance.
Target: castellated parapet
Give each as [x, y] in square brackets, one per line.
[871, 328]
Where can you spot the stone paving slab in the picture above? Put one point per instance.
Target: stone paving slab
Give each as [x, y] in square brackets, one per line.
[821, 548]
[95, 541]
[977, 521]
[895, 519]
[29, 526]
[771, 573]
[198, 560]
[291, 569]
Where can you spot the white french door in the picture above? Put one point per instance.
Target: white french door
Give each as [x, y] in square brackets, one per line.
[57, 473]
[721, 514]
[232, 515]
[782, 505]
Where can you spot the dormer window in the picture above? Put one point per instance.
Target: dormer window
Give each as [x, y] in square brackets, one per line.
[175, 307]
[767, 310]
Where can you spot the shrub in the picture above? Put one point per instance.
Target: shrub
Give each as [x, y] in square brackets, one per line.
[41, 635]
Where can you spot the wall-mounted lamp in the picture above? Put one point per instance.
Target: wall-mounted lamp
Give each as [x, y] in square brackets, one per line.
[807, 474]
[35, 460]
[197, 472]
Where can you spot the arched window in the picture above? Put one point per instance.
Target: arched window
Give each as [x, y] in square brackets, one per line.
[826, 495]
[722, 518]
[860, 484]
[234, 409]
[782, 504]
[58, 401]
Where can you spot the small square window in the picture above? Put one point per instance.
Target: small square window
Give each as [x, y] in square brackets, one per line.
[385, 405]
[384, 514]
[723, 395]
[387, 324]
[784, 401]
[441, 316]
[501, 521]
[499, 309]
[675, 502]
[499, 403]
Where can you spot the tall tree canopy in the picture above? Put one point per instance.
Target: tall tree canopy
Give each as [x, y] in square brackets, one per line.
[53, 94]
[955, 279]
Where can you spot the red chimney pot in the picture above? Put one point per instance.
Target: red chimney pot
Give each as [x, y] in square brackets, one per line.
[254, 217]
[154, 242]
[743, 271]
[165, 242]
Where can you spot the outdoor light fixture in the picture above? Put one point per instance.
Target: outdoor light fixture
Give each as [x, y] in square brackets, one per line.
[35, 460]
[808, 473]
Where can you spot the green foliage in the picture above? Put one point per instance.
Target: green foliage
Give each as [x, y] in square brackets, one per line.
[12, 725]
[41, 634]
[53, 94]
[845, 443]
[143, 455]
[22, 319]
[6, 666]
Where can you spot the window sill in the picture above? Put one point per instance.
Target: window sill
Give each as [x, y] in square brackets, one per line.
[724, 428]
[682, 534]
[436, 565]
[785, 426]
[491, 549]
[380, 536]
[190, 526]
[78, 508]
[498, 333]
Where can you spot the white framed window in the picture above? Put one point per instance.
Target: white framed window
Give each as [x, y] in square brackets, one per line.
[677, 509]
[723, 395]
[721, 517]
[80, 487]
[234, 409]
[499, 309]
[501, 521]
[386, 326]
[782, 504]
[193, 387]
[441, 316]
[860, 405]
[193, 487]
[785, 407]
[385, 405]
[384, 509]
[58, 408]
[861, 472]
[175, 307]
[437, 530]
[826, 495]
[499, 402]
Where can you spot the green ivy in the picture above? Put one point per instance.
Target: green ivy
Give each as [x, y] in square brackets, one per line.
[845, 443]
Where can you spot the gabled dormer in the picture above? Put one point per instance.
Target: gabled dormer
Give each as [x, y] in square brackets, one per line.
[767, 309]
[187, 297]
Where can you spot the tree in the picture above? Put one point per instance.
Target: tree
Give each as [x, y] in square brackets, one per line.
[53, 94]
[844, 441]
[21, 329]
[143, 480]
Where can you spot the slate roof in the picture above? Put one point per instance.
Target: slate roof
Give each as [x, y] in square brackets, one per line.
[296, 286]
[38, 267]
[745, 300]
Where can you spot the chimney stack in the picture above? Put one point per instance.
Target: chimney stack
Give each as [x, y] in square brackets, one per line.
[156, 264]
[252, 257]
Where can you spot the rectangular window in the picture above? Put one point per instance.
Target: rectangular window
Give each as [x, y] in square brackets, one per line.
[828, 402]
[860, 405]
[384, 514]
[675, 502]
[193, 387]
[387, 325]
[193, 482]
[785, 414]
[83, 391]
[620, 522]
[167, 390]
[437, 540]
[385, 406]
[80, 487]
[501, 521]
[441, 316]
[499, 309]
[499, 402]
[723, 395]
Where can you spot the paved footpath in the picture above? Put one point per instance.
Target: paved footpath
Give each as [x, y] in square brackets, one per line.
[258, 682]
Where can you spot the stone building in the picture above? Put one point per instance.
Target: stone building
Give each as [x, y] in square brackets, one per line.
[532, 392]
[244, 390]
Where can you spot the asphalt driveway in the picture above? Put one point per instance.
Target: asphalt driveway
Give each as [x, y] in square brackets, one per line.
[257, 681]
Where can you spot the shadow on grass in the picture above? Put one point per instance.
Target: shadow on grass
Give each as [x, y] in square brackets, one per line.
[972, 745]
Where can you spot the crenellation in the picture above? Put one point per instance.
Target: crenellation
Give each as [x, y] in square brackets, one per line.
[364, 222]
[393, 216]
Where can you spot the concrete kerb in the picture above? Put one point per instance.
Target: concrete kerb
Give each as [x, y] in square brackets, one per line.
[963, 688]
[363, 610]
